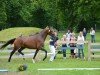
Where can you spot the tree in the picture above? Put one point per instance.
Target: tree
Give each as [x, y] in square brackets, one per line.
[3, 16]
[60, 14]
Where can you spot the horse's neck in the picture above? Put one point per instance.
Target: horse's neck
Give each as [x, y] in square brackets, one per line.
[43, 34]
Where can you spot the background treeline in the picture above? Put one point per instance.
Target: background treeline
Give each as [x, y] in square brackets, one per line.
[61, 14]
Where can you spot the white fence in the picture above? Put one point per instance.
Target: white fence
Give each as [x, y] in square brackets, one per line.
[93, 48]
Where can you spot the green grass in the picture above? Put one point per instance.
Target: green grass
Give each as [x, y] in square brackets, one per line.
[58, 63]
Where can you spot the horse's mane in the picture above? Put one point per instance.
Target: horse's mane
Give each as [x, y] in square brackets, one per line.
[34, 34]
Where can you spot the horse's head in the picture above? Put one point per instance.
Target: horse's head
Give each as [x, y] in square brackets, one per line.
[49, 30]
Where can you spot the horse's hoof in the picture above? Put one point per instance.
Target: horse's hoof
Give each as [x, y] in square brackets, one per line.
[33, 61]
[43, 59]
[8, 61]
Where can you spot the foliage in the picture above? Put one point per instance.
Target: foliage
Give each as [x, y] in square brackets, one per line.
[61, 14]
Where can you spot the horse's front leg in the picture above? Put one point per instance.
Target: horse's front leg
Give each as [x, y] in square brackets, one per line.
[20, 51]
[35, 55]
[45, 53]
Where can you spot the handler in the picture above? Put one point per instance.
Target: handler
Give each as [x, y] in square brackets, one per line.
[52, 45]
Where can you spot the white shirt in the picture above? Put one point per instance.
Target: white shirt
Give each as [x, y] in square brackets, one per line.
[68, 35]
[80, 40]
[92, 32]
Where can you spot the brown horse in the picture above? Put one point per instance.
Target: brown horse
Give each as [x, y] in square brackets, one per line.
[35, 41]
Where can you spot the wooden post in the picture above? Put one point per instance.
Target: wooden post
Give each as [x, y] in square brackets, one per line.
[89, 51]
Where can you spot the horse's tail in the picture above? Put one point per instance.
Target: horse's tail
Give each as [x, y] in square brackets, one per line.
[8, 42]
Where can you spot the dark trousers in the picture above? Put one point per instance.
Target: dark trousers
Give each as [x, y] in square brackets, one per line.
[80, 50]
[64, 52]
[79, 53]
[93, 38]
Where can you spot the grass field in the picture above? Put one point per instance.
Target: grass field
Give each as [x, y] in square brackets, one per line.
[58, 63]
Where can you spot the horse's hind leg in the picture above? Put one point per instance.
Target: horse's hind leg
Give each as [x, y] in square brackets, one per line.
[20, 51]
[45, 53]
[11, 55]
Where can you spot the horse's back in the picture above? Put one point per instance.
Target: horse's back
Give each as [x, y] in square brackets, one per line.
[32, 42]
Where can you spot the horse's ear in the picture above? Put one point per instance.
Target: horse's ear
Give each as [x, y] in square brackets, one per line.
[47, 27]
[51, 28]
